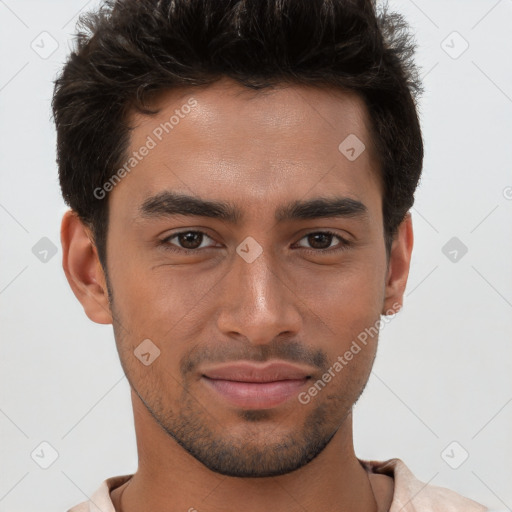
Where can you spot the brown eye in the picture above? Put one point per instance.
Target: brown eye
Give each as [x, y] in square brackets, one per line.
[190, 239]
[186, 241]
[321, 241]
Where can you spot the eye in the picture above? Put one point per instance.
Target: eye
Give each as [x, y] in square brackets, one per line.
[190, 241]
[321, 242]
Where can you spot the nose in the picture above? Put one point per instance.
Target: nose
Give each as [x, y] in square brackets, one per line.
[259, 300]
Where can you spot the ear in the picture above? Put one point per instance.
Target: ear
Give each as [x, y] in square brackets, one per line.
[398, 267]
[83, 268]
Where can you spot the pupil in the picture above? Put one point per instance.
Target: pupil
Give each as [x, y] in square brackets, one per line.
[319, 235]
[188, 238]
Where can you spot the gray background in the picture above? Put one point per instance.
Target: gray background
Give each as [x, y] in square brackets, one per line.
[443, 371]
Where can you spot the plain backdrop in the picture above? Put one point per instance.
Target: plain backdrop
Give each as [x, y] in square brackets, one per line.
[440, 394]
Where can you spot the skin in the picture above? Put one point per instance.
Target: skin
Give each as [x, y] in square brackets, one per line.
[256, 150]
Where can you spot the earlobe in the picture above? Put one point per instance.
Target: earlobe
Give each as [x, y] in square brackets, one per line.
[399, 264]
[83, 269]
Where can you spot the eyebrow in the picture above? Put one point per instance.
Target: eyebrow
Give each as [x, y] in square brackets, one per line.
[167, 204]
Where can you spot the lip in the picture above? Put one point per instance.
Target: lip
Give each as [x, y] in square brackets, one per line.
[250, 372]
[252, 386]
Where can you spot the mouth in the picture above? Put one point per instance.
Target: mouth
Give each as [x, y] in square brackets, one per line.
[249, 386]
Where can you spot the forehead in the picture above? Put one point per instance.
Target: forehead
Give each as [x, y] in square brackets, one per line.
[254, 145]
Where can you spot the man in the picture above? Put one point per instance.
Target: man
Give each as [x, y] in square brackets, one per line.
[240, 175]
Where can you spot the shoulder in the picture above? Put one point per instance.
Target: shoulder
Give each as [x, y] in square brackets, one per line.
[100, 501]
[413, 495]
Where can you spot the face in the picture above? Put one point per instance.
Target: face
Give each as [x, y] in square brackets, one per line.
[244, 234]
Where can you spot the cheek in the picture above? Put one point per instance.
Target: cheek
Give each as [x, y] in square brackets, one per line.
[347, 306]
[155, 301]
[160, 302]
[352, 292]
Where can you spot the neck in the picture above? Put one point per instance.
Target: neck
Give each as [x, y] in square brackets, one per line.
[170, 479]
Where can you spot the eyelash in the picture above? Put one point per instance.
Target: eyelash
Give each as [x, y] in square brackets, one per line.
[343, 245]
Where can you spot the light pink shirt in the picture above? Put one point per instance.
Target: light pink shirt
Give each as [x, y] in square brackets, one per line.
[410, 494]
